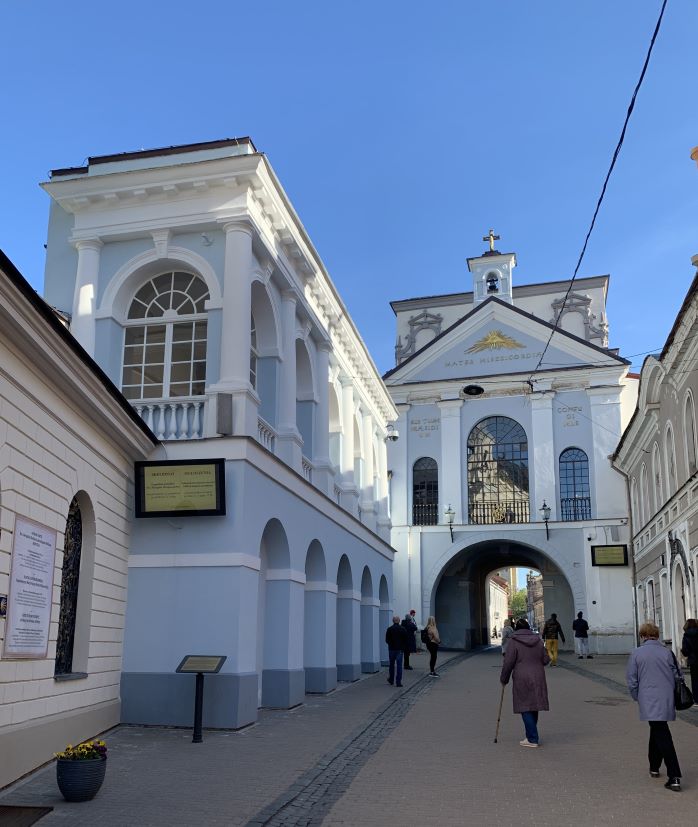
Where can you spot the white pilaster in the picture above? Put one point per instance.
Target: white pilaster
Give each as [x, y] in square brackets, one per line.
[289, 441]
[543, 462]
[82, 323]
[451, 490]
[608, 490]
[322, 467]
[350, 493]
[384, 522]
[235, 331]
[402, 472]
[368, 494]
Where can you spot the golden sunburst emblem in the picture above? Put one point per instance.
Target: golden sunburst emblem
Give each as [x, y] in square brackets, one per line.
[494, 340]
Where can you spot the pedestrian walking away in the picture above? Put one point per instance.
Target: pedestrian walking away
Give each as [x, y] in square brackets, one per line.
[689, 649]
[581, 636]
[432, 642]
[525, 663]
[396, 638]
[550, 633]
[410, 627]
[507, 632]
[651, 676]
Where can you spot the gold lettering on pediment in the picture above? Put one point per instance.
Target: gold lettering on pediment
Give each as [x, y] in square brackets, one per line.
[494, 340]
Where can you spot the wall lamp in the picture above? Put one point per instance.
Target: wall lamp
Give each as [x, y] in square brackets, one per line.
[545, 511]
[392, 433]
[450, 515]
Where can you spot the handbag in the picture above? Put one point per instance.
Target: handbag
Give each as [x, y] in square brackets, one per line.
[683, 697]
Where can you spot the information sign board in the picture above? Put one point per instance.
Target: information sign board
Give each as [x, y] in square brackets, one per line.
[182, 488]
[609, 555]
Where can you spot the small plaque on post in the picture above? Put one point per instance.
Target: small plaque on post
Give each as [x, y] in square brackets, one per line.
[207, 664]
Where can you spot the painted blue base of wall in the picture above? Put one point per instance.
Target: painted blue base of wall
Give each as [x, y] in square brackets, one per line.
[348, 671]
[370, 666]
[319, 680]
[283, 688]
[230, 701]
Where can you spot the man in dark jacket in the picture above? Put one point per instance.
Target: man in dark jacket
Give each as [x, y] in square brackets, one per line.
[410, 626]
[550, 633]
[396, 638]
[689, 649]
[581, 636]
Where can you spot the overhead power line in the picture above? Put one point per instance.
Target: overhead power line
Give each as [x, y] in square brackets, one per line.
[605, 184]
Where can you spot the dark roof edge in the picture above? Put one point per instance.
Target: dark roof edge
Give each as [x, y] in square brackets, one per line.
[152, 153]
[514, 309]
[49, 316]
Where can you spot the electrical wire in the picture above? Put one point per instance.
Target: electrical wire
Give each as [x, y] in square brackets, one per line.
[605, 184]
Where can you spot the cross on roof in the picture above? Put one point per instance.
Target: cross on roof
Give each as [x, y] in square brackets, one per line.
[491, 238]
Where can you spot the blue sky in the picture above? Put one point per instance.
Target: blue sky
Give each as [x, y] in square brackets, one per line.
[401, 131]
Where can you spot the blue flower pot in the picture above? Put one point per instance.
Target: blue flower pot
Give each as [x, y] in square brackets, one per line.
[80, 780]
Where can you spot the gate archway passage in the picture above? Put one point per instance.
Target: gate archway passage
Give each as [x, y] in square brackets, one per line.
[459, 594]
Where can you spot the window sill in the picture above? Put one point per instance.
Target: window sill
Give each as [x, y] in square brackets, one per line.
[70, 676]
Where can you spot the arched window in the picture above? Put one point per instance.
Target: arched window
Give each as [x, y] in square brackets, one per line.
[644, 495]
[690, 430]
[165, 339]
[575, 495]
[253, 353]
[498, 472]
[657, 472]
[70, 580]
[637, 517]
[670, 461]
[425, 492]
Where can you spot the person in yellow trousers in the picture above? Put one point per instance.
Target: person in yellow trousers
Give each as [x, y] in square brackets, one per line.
[550, 633]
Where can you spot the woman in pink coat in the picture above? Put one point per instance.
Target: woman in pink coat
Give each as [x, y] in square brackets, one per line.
[525, 660]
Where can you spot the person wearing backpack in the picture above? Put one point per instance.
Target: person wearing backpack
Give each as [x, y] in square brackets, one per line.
[430, 637]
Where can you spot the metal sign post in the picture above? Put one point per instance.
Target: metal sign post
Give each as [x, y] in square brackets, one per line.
[200, 665]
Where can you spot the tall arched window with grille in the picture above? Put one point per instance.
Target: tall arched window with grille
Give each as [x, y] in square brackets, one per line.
[575, 494]
[70, 581]
[165, 339]
[670, 460]
[425, 492]
[657, 471]
[690, 431]
[498, 472]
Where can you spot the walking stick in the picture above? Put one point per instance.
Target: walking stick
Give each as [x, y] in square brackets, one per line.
[499, 715]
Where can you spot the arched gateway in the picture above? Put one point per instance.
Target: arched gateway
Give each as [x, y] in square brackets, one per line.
[455, 591]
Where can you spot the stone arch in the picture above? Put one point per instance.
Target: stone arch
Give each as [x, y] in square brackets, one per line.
[135, 272]
[455, 587]
[272, 609]
[319, 639]
[370, 659]
[651, 383]
[77, 582]
[681, 598]
[348, 604]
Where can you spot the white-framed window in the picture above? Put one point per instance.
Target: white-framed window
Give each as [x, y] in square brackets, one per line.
[165, 338]
[689, 424]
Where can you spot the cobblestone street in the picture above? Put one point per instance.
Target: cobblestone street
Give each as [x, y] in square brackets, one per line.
[371, 754]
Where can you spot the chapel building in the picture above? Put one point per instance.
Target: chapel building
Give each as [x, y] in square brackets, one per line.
[510, 403]
[189, 278]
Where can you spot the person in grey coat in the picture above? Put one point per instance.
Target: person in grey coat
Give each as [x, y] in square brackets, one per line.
[651, 676]
[525, 659]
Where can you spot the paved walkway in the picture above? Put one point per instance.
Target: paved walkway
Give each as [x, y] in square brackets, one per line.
[370, 754]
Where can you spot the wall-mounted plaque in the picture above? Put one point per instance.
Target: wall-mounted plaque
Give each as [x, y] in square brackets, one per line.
[180, 488]
[609, 555]
[31, 590]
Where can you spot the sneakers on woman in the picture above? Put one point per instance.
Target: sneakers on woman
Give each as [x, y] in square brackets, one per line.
[527, 743]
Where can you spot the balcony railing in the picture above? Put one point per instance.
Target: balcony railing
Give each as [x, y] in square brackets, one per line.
[425, 514]
[501, 512]
[266, 434]
[575, 508]
[172, 419]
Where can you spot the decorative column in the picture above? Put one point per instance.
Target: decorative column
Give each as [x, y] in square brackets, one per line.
[370, 656]
[322, 467]
[348, 635]
[283, 676]
[350, 493]
[368, 494]
[398, 457]
[320, 636]
[607, 484]
[235, 328]
[383, 521]
[82, 323]
[289, 441]
[451, 487]
[543, 462]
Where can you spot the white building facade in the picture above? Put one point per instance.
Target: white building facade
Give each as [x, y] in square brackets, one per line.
[68, 441]
[190, 278]
[488, 437]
